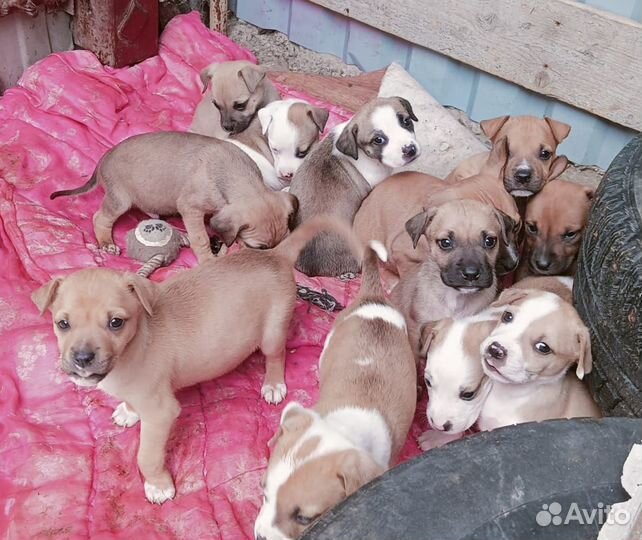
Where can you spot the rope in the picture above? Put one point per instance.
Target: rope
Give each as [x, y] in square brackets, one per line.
[150, 266]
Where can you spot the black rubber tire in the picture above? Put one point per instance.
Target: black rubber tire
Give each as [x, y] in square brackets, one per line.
[608, 285]
[493, 485]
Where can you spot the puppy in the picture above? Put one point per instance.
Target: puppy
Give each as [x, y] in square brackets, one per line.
[168, 172]
[555, 220]
[386, 209]
[367, 399]
[141, 341]
[528, 356]
[457, 277]
[457, 385]
[237, 91]
[342, 170]
[532, 145]
[280, 138]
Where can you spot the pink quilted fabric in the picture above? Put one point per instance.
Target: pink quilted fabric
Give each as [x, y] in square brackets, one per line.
[65, 470]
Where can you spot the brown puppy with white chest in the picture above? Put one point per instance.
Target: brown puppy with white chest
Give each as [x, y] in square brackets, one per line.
[341, 171]
[457, 278]
[384, 212]
[532, 146]
[367, 400]
[169, 172]
[141, 341]
[237, 91]
[555, 219]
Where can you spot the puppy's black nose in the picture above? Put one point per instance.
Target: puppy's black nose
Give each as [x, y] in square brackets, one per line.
[259, 537]
[448, 426]
[471, 273]
[83, 358]
[228, 126]
[287, 175]
[410, 150]
[543, 263]
[523, 174]
[496, 351]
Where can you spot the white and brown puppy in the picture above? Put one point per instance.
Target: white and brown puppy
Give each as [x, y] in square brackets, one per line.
[457, 276]
[367, 399]
[237, 90]
[141, 341]
[529, 356]
[196, 176]
[532, 146]
[562, 286]
[280, 138]
[555, 220]
[341, 171]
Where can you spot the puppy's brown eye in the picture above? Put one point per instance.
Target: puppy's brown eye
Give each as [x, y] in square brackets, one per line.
[490, 242]
[427, 381]
[116, 323]
[379, 140]
[542, 348]
[531, 228]
[301, 153]
[63, 324]
[544, 154]
[240, 106]
[468, 395]
[570, 235]
[507, 317]
[445, 243]
[302, 520]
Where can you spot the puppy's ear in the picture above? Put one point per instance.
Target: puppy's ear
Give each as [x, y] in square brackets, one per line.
[45, 295]
[144, 289]
[356, 469]
[252, 77]
[427, 334]
[585, 358]
[560, 130]
[491, 127]
[590, 193]
[497, 158]
[207, 74]
[406, 105]
[227, 224]
[347, 142]
[319, 116]
[507, 225]
[265, 118]
[417, 225]
[510, 296]
[557, 167]
[293, 208]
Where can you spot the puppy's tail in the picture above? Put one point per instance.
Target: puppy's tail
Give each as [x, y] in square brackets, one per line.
[370, 280]
[304, 233]
[93, 182]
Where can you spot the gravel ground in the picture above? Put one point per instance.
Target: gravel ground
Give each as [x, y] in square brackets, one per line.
[274, 50]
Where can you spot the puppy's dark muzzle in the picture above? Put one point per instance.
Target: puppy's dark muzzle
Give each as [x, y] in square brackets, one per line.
[468, 275]
[497, 352]
[523, 183]
[545, 263]
[409, 152]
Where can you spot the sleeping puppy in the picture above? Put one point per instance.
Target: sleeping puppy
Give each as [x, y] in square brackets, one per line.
[280, 138]
[532, 145]
[367, 399]
[168, 172]
[529, 356]
[384, 212]
[457, 277]
[457, 385]
[140, 341]
[555, 220]
[237, 91]
[341, 171]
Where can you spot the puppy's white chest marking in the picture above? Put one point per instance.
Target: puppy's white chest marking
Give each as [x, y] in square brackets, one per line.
[380, 311]
[268, 173]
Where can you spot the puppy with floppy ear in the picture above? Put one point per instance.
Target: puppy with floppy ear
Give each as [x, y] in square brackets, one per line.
[529, 357]
[533, 144]
[367, 398]
[237, 91]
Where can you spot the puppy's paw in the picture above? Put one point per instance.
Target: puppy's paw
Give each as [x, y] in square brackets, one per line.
[112, 249]
[274, 394]
[434, 439]
[158, 494]
[123, 416]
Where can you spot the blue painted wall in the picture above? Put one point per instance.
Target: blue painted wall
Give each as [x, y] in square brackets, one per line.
[592, 139]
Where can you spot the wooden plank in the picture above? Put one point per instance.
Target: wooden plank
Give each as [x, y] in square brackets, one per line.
[316, 28]
[369, 49]
[559, 48]
[269, 14]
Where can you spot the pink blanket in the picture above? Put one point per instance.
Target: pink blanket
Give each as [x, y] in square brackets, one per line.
[65, 470]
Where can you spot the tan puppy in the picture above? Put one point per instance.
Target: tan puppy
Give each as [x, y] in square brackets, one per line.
[532, 144]
[528, 356]
[457, 277]
[384, 212]
[555, 220]
[342, 170]
[141, 341]
[237, 91]
[280, 138]
[168, 172]
[366, 403]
